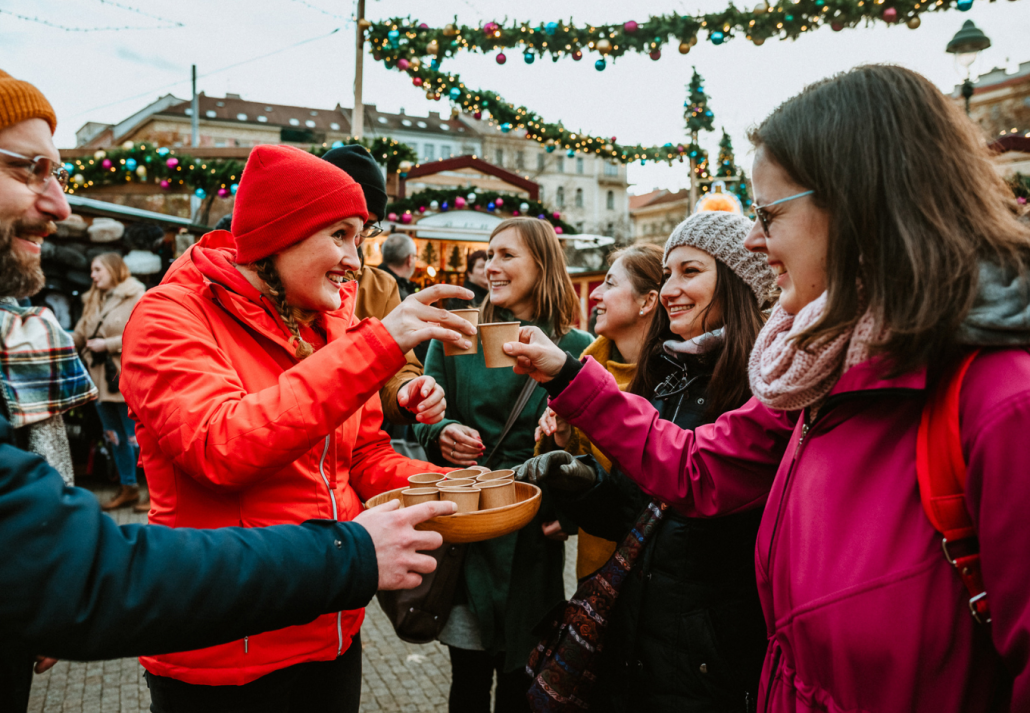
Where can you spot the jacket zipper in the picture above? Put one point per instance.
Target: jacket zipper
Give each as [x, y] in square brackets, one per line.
[332, 499]
[783, 498]
[246, 644]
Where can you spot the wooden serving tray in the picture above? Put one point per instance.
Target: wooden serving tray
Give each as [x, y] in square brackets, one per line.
[480, 525]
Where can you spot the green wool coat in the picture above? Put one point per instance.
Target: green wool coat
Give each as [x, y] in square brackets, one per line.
[511, 582]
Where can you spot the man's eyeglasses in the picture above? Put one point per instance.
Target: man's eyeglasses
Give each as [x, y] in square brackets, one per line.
[765, 219]
[41, 170]
[370, 231]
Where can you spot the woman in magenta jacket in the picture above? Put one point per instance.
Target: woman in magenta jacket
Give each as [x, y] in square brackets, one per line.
[898, 250]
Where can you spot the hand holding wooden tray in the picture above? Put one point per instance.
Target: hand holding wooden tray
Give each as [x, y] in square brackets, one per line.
[482, 524]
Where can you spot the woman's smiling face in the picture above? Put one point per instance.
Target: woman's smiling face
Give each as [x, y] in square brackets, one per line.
[512, 273]
[690, 280]
[314, 269]
[798, 239]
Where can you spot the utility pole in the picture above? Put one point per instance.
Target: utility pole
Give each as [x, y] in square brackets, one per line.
[194, 139]
[358, 114]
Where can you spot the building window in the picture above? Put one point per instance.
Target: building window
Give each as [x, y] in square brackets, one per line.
[560, 197]
[579, 227]
[610, 200]
[611, 169]
[579, 165]
[520, 160]
[540, 195]
[428, 152]
[541, 158]
[579, 197]
[610, 230]
[499, 157]
[560, 164]
[445, 151]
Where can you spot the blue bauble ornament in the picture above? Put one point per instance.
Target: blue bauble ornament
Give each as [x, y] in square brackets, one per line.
[551, 27]
[505, 128]
[162, 151]
[69, 168]
[708, 113]
[454, 93]
[570, 153]
[529, 57]
[599, 65]
[336, 145]
[964, 5]
[717, 38]
[130, 164]
[200, 193]
[435, 64]
[491, 206]
[693, 154]
[542, 217]
[445, 206]
[394, 37]
[233, 188]
[643, 162]
[403, 175]
[550, 148]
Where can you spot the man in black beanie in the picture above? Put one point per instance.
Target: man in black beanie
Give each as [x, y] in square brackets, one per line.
[378, 295]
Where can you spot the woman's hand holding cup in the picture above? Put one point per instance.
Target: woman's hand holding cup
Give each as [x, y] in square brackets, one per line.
[415, 320]
[537, 355]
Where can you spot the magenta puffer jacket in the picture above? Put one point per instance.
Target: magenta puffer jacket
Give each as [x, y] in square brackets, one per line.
[863, 611]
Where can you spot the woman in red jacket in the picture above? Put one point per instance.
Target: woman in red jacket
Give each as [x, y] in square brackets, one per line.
[257, 400]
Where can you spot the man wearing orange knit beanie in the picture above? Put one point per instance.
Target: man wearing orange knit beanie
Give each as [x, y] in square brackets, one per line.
[75, 585]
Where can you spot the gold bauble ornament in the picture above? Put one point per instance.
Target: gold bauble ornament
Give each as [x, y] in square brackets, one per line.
[141, 171]
[693, 40]
[684, 47]
[609, 148]
[759, 41]
[449, 30]
[433, 47]
[416, 63]
[78, 179]
[761, 8]
[99, 155]
[405, 166]
[129, 145]
[914, 22]
[604, 46]
[430, 94]
[364, 24]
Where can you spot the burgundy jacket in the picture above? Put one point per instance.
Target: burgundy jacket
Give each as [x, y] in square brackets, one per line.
[863, 612]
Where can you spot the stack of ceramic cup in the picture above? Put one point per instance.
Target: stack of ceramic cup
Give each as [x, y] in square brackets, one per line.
[493, 335]
[472, 490]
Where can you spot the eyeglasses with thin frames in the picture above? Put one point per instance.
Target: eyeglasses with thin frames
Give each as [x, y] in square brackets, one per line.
[370, 231]
[41, 170]
[765, 219]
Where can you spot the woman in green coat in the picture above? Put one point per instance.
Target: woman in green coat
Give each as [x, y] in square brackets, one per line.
[510, 582]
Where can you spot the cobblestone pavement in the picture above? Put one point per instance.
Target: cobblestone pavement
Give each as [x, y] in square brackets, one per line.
[395, 676]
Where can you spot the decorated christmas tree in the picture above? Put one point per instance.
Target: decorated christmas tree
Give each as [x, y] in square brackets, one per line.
[455, 260]
[699, 117]
[728, 168]
[429, 256]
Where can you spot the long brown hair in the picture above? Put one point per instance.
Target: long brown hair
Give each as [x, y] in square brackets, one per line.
[119, 273]
[643, 264]
[914, 202]
[742, 321]
[554, 296]
[292, 317]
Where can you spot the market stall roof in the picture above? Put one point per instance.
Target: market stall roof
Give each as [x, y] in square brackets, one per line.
[91, 206]
[465, 225]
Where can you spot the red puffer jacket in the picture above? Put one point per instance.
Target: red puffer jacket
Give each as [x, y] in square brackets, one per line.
[234, 431]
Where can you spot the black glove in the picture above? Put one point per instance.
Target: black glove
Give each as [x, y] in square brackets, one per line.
[559, 470]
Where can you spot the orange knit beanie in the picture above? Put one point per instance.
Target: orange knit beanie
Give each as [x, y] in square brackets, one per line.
[20, 101]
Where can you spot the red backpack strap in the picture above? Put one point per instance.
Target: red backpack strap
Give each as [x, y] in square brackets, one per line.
[941, 469]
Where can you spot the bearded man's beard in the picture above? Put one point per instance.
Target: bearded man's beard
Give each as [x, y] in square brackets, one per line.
[21, 274]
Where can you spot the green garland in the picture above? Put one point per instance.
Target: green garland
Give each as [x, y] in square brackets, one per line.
[418, 203]
[147, 163]
[1021, 187]
[407, 45]
[728, 167]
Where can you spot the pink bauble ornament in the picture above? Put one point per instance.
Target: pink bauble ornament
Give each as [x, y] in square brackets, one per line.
[106, 163]
[556, 215]
[501, 59]
[172, 162]
[417, 81]
[423, 26]
[558, 230]
[499, 202]
[630, 26]
[577, 55]
[406, 218]
[613, 139]
[421, 209]
[515, 213]
[890, 15]
[403, 64]
[392, 217]
[460, 202]
[490, 28]
[165, 184]
[223, 192]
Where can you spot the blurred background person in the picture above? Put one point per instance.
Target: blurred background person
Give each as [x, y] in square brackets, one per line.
[98, 337]
[475, 281]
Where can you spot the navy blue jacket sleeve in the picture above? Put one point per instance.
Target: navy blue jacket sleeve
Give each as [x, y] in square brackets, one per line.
[74, 585]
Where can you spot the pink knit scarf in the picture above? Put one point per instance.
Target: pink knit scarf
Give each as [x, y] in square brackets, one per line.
[786, 377]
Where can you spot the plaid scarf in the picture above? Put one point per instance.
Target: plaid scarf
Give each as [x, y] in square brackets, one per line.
[41, 374]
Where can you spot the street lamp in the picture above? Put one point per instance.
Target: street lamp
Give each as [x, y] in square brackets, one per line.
[966, 45]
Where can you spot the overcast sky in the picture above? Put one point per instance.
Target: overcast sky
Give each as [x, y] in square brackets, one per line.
[107, 75]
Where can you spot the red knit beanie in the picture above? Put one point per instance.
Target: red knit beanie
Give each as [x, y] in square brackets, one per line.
[286, 195]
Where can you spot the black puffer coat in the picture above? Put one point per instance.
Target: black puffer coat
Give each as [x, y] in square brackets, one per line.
[688, 632]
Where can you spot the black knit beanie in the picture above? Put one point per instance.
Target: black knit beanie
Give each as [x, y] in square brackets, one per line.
[357, 162]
